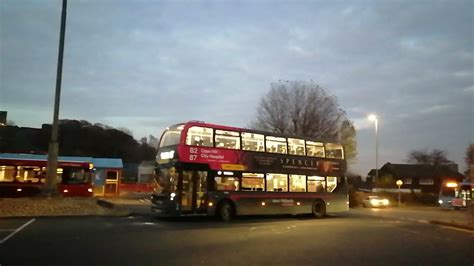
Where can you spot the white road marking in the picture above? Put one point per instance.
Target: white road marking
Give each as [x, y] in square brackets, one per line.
[16, 231]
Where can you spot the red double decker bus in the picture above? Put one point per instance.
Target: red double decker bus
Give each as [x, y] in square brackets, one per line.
[24, 175]
[227, 171]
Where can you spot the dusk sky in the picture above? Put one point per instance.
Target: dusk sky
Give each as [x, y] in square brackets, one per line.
[145, 65]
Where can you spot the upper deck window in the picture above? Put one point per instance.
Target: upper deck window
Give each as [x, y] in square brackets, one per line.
[334, 151]
[276, 144]
[315, 149]
[252, 142]
[227, 139]
[296, 146]
[172, 136]
[199, 136]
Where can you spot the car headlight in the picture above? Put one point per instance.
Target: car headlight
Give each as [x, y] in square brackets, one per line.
[385, 202]
[374, 202]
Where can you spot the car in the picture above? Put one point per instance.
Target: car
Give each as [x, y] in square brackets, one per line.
[375, 202]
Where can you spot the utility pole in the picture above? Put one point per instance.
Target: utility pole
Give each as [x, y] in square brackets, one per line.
[51, 178]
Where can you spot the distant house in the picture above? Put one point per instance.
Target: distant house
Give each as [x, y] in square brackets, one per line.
[416, 177]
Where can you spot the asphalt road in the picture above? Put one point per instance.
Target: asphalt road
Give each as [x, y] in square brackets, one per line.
[352, 240]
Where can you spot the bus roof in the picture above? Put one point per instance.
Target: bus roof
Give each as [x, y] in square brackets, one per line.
[41, 157]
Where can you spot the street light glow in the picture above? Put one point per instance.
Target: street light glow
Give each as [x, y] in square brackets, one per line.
[372, 117]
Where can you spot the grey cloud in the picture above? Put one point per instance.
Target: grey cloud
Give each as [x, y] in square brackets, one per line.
[145, 65]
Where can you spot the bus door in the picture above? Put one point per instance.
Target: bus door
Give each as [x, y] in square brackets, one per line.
[193, 189]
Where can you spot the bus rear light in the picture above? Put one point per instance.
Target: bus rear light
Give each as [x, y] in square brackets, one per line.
[263, 203]
[19, 190]
[298, 203]
[65, 191]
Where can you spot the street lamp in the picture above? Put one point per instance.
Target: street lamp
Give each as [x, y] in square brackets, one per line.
[374, 118]
[399, 184]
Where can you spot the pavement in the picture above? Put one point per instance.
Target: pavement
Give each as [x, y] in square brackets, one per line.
[462, 219]
[54, 206]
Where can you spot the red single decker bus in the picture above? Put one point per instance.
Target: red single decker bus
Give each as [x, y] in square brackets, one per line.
[23, 175]
[227, 171]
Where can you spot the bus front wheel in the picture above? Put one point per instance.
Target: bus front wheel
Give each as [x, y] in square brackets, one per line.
[319, 209]
[226, 211]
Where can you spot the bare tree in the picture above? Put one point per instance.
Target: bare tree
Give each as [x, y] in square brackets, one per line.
[469, 159]
[126, 131]
[305, 109]
[153, 141]
[434, 157]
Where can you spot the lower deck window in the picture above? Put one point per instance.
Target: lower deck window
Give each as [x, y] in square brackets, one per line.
[277, 182]
[226, 183]
[297, 183]
[253, 182]
[316, 184]
[23, 174]
[332, 183]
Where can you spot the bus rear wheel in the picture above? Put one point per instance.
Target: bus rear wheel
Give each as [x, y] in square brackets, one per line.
[319, 209]
[226, 211]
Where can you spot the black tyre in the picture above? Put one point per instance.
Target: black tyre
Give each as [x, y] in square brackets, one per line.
[226, 211]
[319, 209]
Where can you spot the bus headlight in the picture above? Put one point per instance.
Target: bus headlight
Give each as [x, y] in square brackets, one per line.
[89, 190]
[440, 201]
[172, 195]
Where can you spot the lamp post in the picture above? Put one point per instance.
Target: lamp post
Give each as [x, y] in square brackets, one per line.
[399, 184]
[51, 175]
[375, 119]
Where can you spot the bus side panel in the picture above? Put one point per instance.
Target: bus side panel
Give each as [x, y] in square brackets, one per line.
[254, 203]
[75, 190]
[254, 206]
[339, 202]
